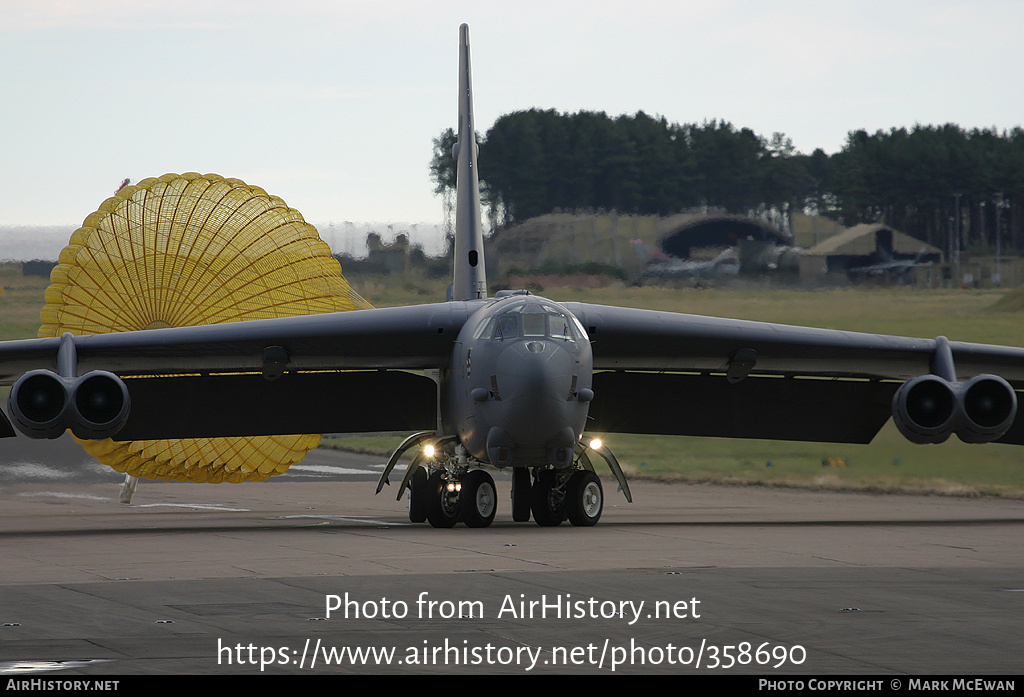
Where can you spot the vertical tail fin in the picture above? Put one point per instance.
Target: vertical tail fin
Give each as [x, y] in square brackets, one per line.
[470, 277]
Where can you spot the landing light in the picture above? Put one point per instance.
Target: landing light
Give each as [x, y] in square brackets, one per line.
[454, 486]
[428, 451]
[595, 444]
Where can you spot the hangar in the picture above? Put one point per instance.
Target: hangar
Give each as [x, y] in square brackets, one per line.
[694, 232]
[864, 252]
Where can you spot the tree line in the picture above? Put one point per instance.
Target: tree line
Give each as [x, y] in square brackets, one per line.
[917, 180]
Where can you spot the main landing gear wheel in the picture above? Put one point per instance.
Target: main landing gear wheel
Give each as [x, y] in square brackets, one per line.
[547, 500]
[584, 498]
[442, 505]
[418, 496]
[478, 499]
[520, 494]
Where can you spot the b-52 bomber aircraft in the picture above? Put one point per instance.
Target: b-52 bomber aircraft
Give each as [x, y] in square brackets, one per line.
[512, 381]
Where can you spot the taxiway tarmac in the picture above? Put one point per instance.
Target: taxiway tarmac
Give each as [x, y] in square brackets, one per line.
[202, 579]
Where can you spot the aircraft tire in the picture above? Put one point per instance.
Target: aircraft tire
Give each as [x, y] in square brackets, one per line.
[521, 494]
[546, 501]
[478, 500]
[442, 507]
[584, 499]
[418, 496]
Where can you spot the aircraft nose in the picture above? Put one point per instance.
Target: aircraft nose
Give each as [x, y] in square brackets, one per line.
[535, 379]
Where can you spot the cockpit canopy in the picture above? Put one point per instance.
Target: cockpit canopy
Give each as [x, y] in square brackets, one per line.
[532, 320]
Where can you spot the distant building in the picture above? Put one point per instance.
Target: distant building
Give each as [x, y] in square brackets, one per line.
[809, 230]
[627, 242]
[567, 239]
[867, 252]
[683, 233]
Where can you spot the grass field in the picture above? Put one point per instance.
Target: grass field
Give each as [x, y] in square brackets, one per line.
[888, 464]
[20, 302]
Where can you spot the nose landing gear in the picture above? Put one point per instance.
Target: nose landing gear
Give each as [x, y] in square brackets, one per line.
[452, 492]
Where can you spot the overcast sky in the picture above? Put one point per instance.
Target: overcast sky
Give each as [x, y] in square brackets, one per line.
[332, 105]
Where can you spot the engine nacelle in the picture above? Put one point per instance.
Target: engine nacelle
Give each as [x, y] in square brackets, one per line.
[924, 409]
[988, 406]
[928, 409]
[100, 405]
[40, 404]
[44, 404]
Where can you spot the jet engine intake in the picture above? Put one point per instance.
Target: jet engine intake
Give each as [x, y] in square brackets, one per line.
[39, 404]
[101, 404]
[989, 406]
[44, 404]
[928, 409]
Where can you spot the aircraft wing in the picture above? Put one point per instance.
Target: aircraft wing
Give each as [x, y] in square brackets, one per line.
[670, 373]
[336, 372]
[417, 336]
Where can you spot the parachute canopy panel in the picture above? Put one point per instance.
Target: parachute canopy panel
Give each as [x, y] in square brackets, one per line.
[185, 250]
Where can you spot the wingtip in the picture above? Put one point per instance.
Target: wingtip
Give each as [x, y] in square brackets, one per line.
[464, 34]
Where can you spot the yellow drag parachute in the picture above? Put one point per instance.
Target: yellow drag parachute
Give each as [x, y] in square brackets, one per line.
[190, 249]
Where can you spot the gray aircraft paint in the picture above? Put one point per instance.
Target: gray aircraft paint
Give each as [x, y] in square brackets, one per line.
[530, 393]
[470, 282]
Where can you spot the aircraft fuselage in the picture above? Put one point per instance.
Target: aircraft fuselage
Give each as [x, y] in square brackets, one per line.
[519, 387]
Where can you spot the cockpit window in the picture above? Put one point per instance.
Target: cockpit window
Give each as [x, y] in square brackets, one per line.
[560, 327]
[533, 321]
[534, 325]
[485, 328]
[580, 333]
[508, 326]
